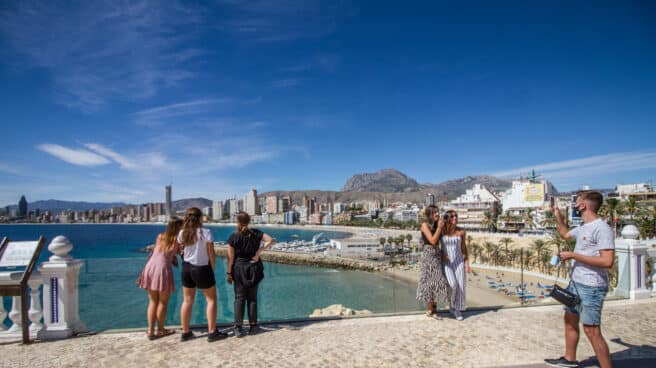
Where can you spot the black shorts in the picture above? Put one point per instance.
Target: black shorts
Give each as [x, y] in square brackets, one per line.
[201, 277]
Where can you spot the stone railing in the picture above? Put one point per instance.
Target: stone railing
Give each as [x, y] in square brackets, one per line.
[651, 278]
[59, 316]
[632, 257]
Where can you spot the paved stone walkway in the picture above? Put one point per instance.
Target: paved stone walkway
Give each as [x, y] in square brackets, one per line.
[493, 338]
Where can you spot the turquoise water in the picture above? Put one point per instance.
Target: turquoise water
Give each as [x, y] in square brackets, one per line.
[112, 262]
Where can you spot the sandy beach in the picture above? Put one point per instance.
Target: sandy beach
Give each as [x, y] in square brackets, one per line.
[486, 338]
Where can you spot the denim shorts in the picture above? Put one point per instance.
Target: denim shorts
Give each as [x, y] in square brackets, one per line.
[592, 301]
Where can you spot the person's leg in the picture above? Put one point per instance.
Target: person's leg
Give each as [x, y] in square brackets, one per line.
[162, 307]
[598, 344]
[251, 300]
[151, 312]
[185, 311]
[210, 310]
[571, 335]
[450, 273]
[240, 299]
[459, 290]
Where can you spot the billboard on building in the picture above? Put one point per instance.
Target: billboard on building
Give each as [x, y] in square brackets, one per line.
[534, 193]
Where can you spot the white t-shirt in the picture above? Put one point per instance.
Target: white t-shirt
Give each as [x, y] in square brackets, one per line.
[590, 238]
[196, 254]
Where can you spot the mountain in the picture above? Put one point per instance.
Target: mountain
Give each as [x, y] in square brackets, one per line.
[54, 205]
[385, 181]
[183, 204]
[389, 185]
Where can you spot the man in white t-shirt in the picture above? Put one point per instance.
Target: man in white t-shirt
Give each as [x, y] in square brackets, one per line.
[592, 257]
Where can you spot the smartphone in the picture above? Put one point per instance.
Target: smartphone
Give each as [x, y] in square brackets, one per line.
[575, 211]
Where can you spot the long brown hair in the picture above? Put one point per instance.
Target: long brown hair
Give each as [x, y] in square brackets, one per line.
[449, 228]
[171, 234]
[429, 216]
[192, 222]
[243, 219]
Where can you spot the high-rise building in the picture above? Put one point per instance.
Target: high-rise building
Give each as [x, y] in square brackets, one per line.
[250, 203]
[233, 207]
[284, 204]
[22, 207]
[430, 199]
[217, 210]
[272, 204]
[169, 205]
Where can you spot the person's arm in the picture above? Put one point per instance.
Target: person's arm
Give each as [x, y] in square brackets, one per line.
[605, 258]
[268, 242]
[562, 228]
[231, 259]
[465, 252]
[211, 254]
[432, 238]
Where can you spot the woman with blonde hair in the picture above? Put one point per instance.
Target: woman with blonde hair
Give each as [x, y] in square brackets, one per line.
[198, 272]
[245, 270]
[157, 278]
[433, 288]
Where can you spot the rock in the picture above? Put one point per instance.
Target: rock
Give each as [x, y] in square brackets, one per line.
[338, 310]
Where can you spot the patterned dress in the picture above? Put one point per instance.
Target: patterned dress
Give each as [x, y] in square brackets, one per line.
[433, 286]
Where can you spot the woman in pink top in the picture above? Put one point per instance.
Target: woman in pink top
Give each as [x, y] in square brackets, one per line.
[157, 278]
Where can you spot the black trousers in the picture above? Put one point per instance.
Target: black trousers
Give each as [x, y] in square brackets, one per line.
[245, 297]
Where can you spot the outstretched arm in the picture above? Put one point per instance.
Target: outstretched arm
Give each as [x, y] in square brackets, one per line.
[268, 242]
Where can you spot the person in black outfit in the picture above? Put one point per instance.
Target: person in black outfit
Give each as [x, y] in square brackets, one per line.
[245, 270]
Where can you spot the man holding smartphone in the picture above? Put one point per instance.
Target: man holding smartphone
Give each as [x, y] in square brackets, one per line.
[592, 257]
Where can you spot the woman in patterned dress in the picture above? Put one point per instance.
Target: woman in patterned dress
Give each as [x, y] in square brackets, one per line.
[433, 288]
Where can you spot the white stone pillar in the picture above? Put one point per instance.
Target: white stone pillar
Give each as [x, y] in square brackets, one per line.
[631, 265]
[15, 315]
[651, 255]
[36, 312]
[60, 292]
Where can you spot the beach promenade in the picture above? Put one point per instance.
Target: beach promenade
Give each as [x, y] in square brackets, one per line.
[486, 338]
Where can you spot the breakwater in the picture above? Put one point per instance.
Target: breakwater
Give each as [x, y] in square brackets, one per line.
[312, 259]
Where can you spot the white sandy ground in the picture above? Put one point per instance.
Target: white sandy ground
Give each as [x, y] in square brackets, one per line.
[483, 339]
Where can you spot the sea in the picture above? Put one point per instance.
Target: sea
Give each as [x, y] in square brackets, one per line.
[113, 259]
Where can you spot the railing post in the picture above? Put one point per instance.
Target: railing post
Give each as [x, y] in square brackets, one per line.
[631, 265]
[36, 312]
[60, 292]
[651, 253]
[15, 315]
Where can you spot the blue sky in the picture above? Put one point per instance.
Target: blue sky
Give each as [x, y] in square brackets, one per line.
[110, 102]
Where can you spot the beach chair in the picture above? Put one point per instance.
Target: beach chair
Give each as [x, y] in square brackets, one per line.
[17, 260]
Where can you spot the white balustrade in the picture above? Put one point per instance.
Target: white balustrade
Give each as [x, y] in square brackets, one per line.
[59, 316]
[35, 312]
[651, 252]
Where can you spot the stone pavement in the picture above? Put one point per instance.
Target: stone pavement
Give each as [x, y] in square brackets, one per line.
[520, 337]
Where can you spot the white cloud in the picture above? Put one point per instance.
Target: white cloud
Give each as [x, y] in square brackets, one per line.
[98, 51]
[79, 157]
[9, 169]
[588, 166]
[285, 83]
[123, 161]
[157, 115]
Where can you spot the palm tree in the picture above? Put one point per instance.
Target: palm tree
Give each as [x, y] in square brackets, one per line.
[612, 204]
[497, 248]
[506, 241]
[514, 255]
[539, 246]
[475, 250]
[382, 241]
[631, 207]
[408, 237]
[489, 249]
[390, 240]
[489, 221]
[528, 257]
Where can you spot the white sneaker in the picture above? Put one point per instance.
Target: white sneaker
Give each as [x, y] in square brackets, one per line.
[458, 315]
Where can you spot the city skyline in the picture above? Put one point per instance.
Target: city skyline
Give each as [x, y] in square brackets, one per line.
[121, 100]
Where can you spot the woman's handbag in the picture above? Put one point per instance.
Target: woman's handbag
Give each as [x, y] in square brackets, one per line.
[564, 296]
